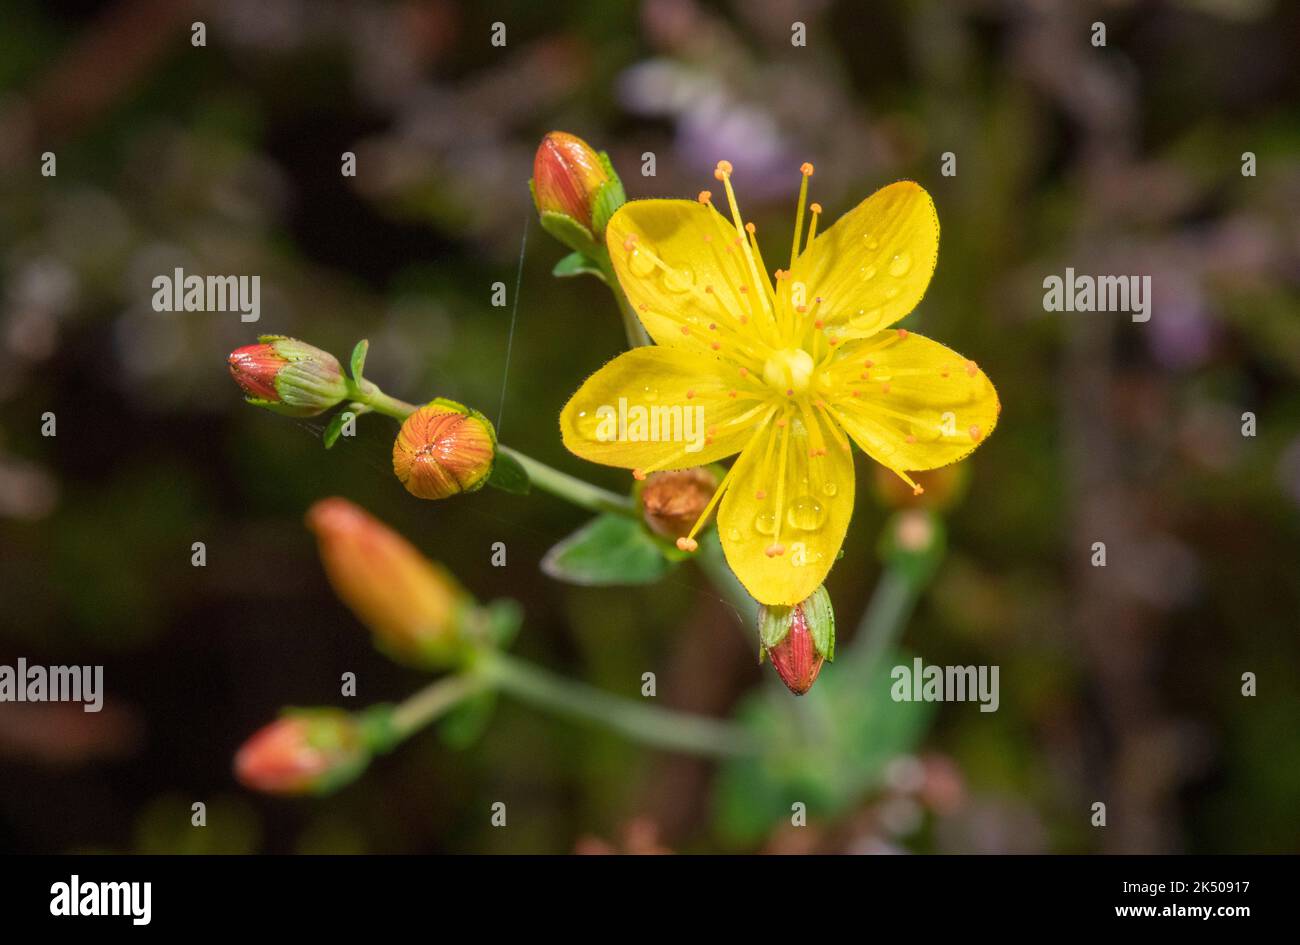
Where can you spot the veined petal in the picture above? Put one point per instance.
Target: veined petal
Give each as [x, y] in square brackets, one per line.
[658, 408]
[681, 268]
[918, 404]
[872, 267]
[785, 514]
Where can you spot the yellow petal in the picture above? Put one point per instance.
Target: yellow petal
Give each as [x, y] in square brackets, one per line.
[658, 408]
[872, 267]
[802, 505]
[920, 405]
[680, 267]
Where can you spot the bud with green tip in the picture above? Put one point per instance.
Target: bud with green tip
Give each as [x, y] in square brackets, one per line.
[289, 376]
[305, 751]
[799, 639]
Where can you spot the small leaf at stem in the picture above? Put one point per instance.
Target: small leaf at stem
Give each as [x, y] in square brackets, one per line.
[609, 550]
[577, 264]
[509, 476]
[359, 359]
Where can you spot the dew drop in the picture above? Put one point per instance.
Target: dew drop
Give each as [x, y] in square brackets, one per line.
[650, 393]
[765, 523]
[899, 265]
[678, 280]
[806, 514]
[868, 273]
[829, 489]
[640, 264]
[872, 242]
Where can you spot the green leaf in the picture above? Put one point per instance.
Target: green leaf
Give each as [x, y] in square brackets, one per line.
[359, 359]
[832, 767]
[335, 427]
[577, 264]
[612, 549]
[509, 476]
[466, 722]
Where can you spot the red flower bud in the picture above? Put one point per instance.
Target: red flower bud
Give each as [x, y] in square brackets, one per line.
[799, 639]
[567, 176]
[444, 449]
[289, 376]
[305, 751]
[415, 609]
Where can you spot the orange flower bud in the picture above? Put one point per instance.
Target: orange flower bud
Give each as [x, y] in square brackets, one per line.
[567, 176]
[289, 376]
[672, 501]
[415, 608]
[799, 639]
[444, 449]
[305, 751]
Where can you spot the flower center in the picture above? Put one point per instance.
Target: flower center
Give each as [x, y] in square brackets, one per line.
[789, 370]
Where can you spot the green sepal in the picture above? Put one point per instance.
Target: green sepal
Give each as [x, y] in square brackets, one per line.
[502, 618]
[378, 730]
[578, 264]
[569, 232]
[608, 198]
[609, 550]
[509, 475]
[820, 617]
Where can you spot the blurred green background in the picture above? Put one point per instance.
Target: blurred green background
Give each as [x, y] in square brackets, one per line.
[1119, 684]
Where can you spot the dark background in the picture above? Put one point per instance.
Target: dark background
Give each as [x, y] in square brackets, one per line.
[1119, 684]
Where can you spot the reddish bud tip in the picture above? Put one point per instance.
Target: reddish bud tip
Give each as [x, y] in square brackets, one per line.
[289, 376]
[799, 639]
[306, 751]
[567, 176]
[254, 368]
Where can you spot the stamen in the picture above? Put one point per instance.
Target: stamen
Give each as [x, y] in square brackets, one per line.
[816, 209]
[806, 171]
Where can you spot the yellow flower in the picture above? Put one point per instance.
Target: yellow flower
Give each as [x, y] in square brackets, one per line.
[783, 373]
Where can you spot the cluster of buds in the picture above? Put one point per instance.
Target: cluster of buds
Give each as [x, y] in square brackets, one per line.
[419, 614]
[289, 376]
[576, 191]
[799, 639]
[305, 751]
[444, 448]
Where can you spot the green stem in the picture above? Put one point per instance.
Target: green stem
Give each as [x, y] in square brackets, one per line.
[883, 622]
[575, 490]
[663, 728]
[546, 478]
[434, 701]
[636, 333]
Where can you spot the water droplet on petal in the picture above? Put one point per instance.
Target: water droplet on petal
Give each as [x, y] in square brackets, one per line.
[829, 489]
[899, 265]
[640, 264]
[868, 272]
[765, 523]
[678, 280]
[806, 514]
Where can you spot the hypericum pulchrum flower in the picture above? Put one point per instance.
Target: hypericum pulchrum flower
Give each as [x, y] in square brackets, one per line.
[443, 449]
[799, 639]
[567, 177]
[289, 376]
[305, 751]
[415, 608]
[786, 372]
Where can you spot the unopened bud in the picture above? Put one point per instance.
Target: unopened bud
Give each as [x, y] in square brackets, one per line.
[289, 376]
[417, 611]
[305, 751]
[567, 177]
[799, 639]
[444, 449]
[671, 502]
